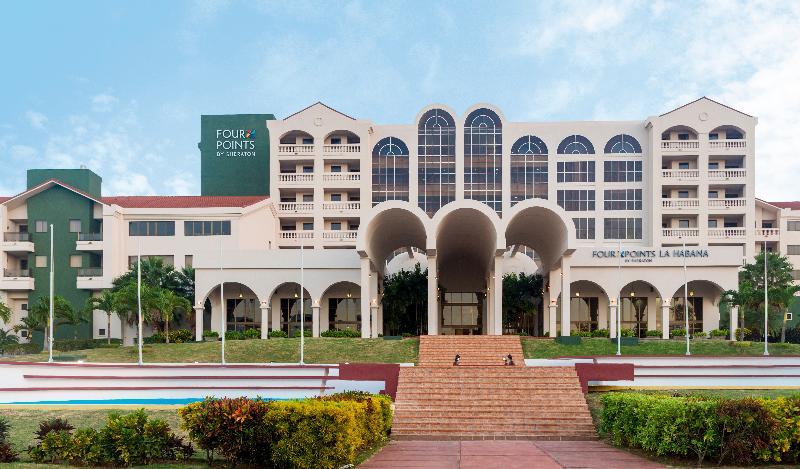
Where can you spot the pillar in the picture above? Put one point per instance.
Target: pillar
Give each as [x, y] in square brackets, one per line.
[198, 323]
[373, 310]
[665, 306]
[276, 318]
[315, 319]
[734, 322]
[613, 310]
[433, 297]
[380, 318]
[552, 319]
[366, 296]
[565, 296]
[489, 305]
[497, 299]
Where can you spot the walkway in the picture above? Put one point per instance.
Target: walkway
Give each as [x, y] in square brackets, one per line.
[503, 455]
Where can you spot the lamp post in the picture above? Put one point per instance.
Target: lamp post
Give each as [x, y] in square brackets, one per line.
[766, 303]
[686, 299]
[619, 299]
[139, 298]
[302, 311]
[52, 290]
[223, 313]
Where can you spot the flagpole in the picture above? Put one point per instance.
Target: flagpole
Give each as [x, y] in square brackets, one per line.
[619, 299]
[223, 313]
[302, 311]
[686, 298]
[139, 296]
[766, 303]
[52, 291]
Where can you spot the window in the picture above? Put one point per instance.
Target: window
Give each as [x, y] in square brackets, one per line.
[336, 140]
[290, 314]
[353, 139]
[336, 197]
[575, 171]
[336, 226]
[712, 223]
[308, 226]
[436, 174]
[207, 228]
[730, 224]
[101, 332]
[74, 226]
[308, 197]
[683, 165]
[336, 168]
[41, 261]
[583, 313]
[23, 306]
[188, 260]
[683, 223]
[167, 260]
[683, 136]
[151, 228]
[308, 169]
[622, 199]
[733, 135]
[713, 194]
[389, 170]
[242, 314]
[796, 275]
[308, 140]
[76, 261]
[41, 226]
[713, 136]
[793, 249]
[528, 169]
[683, 194]
[288, 228]
[623, 144]
[767, 224]
[584, 228]
[622, 228]
[575, 200]
[575, 144]
[793, 225]
[622, 171]
[343, 313]
[483, 150]
[713, 165]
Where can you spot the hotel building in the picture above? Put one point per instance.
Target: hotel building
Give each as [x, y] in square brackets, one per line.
[469, 196]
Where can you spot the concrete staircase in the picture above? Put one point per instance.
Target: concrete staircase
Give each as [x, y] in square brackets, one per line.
[476, 401]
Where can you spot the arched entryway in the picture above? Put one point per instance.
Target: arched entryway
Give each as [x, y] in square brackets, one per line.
[241, 309]
[340, 307]
[588, 307]
[702, 298]
[284, 304]
[640, 303]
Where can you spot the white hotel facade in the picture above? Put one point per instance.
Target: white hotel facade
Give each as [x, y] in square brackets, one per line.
[470, 196]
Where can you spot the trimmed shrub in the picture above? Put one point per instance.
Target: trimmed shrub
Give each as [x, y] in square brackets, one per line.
[745, 429]
[70, 345]
[53, 425]
[718, 333]
[583, 334]
[653, 333]
[156, 338]
[234, 335]
[748, 334]
[699, 334]
[278, 334]
[252, 334]
[601, 333]
[677, 333]
[341, 333]
[406, 335]
[627, 332]
[296, 334]
[180, 336]
[210, 335]
[23, 349]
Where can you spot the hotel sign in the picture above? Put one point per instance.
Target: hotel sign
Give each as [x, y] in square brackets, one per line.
[658, 256]
[235, 143]
[644, 256]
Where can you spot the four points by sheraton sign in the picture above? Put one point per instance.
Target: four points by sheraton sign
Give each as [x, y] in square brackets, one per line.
[648, 255]
[234, 143]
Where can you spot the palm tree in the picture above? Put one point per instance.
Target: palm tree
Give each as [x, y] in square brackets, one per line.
[104, 302]
[7, 339]
[36, 321]
[126, 304]
[69, 316]
[5, 312]
[40, 314]
[167, 303]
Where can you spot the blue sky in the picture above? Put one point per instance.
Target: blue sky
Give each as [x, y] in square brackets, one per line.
[120, 86]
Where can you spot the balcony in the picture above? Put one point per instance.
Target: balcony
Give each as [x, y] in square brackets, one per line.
[726, 146]
[340, 207]
[727, 203]
[17, 242]
[295, 207]
[296, 178]
[680, 175]
[340, 149]
[726, 233]
[295, 238]
[292, 150]
[19, 279]
[680, 203]
[680, 145]
[680, 233]
[727, 174]
[91, 278]
[89, 242]
[341, 177]
[340, 236]
[90, 272]
[767, 234]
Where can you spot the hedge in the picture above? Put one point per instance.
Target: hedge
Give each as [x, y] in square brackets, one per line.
[349, 333]
[326, 432]
[740, 431]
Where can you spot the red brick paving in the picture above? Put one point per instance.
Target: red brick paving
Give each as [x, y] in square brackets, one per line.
[504, 455]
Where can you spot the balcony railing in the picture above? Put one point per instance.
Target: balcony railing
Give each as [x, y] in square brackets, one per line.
[295, 177]
[726, 232]
[727, 144]
[680, 203]
[90, 236]
[768, 232]
[341, 206]
[17, 237]
[680, 232]
[340, 149]
[295, 149]
[726, 203]
[726, 173]
[25, 273]
[340, 235]
[341, 177]
[296, 234]
[90, 272]
[296, 207]
[680, 173]
[679, 145]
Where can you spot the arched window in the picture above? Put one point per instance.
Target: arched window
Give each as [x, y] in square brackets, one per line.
[389, 170]
[436, 176]
[574, 145]
[483, 150]
[528, 169]
[622, 143]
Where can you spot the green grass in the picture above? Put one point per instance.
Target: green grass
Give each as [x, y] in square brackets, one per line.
[546, 348]
[317, 350]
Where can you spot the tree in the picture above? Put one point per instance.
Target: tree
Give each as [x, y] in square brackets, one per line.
[5, 312]
[104, 302]
[126, 304]
[63, 313]
[405, 301]
[7, 339]
[167, 303]
[157, 274]
[522, 296]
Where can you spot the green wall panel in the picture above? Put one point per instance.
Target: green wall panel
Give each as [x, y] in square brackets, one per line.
[82, 179]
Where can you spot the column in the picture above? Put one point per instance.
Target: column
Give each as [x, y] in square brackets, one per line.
[497, 299]
[380, 318]
[265, 313]
[315, 319]
[665, 318]
[612, 315]
[276, 318]
[198, 323]
[373, 309]
[433, 297]
[553, 307]
[366, 296]
[734, 322]
[489, 305]
[565, 296]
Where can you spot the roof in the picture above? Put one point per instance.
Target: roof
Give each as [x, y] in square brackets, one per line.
[795, 205]
[707, 99]
[3, 199]
[38, 188]
[183, 201]
[321, 104]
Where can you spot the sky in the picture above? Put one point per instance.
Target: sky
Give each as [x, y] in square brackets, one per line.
[120, 86]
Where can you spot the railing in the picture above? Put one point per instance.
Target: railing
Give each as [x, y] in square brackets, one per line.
[727, 144]
[768, 232]
[17, 237]
[680, 203]
[296, 234]
[296, 207]
[341, 235]
[726, 232]
[341, 206]
[339, 177]
[295, 149]
[90, 236]
[295, 177]
[726, 173]
[338, 149]
[680, 232]
[726, 203]
[680, 173]
[90, 272]
[16, 273]
[677, 145]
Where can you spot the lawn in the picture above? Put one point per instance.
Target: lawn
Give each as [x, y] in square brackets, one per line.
[546, 348]
[317, 350]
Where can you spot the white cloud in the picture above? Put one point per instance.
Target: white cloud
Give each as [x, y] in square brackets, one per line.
[103, 102]
[37, 120]
[131, 184]
[180, 184]
[23, 152]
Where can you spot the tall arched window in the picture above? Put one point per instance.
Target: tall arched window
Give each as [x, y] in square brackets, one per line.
[389, 170]
[576, 144]
[528, 169]
[483, 150]
[436, 176]
[622, 143]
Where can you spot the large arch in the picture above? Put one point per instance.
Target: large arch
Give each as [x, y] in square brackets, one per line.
[542, 225]
[389, 226]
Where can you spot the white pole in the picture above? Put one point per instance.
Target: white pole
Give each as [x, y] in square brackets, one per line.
[619, 299]
[223, 313]
[139, 296]
[302, 311]
[766, 303]
[686, 298]
[52, 292]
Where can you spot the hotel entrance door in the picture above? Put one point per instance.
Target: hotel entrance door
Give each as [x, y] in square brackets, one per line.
[462, 313]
